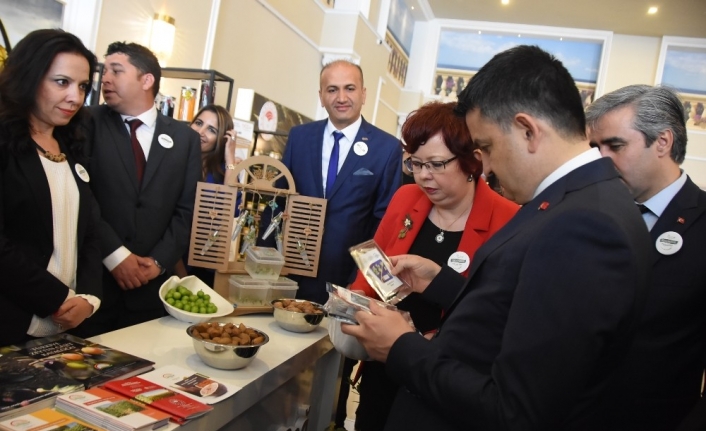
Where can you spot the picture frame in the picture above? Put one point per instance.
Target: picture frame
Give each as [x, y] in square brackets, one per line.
[595, 43]
[680, 66]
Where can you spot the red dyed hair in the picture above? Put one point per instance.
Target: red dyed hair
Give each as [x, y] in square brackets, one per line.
[435, 117]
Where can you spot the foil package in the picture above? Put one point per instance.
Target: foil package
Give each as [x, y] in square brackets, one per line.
[375, 266]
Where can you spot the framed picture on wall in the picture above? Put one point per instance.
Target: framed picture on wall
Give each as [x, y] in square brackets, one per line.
[278, 120]
[682, 66]
[462, 49]
[23, 16]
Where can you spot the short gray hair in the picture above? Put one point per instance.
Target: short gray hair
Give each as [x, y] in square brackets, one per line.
[656, 110]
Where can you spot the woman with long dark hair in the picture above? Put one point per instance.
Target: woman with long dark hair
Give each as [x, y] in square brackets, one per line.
[49, 252]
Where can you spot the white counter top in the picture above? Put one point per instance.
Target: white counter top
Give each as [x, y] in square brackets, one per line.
[286, 355]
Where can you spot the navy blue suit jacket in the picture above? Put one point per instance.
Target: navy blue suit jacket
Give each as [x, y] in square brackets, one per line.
[363, 189]
[534, 339]
[671, 342]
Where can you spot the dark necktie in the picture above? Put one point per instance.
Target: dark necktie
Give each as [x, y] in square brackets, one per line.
[643, 209]
[137, 148]
[333, 163]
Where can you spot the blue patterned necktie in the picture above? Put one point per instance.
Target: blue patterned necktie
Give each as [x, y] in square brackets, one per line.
[333, 163]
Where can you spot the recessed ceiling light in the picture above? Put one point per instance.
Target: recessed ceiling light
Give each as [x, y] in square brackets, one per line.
[519, 35]
[478, 31]
[412, 7]
[505, 1]
[652, 10]
[561, 38]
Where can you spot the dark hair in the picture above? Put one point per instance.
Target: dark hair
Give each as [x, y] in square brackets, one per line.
[343, 61]
[23, 71]
[213, 161]
[656, 109]
[526, 79]
[142, 58]
[435, 117]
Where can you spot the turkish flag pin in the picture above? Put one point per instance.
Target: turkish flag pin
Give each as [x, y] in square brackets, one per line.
[680, 220]
[544, 205]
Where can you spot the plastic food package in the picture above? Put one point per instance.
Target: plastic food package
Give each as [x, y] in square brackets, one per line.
[375, 266]
[343, 304]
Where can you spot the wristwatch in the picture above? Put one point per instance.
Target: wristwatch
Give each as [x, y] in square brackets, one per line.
[230, 166]
[159, 265]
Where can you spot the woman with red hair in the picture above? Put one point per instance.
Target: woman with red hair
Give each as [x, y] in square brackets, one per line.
[446, 216]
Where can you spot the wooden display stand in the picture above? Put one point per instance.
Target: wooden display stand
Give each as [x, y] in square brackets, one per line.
[214, 245]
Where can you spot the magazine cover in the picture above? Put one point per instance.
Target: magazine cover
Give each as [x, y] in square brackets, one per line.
[194, 385]
[46, 420]
[180, 406]
[111, 411]
[61, 363]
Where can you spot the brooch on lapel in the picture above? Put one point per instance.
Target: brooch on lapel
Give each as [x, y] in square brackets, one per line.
[407, 223]
[543, 206]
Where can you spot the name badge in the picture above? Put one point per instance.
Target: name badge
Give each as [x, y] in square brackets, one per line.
[459, 261]
[360, 148]
[669, 243]
[165, 141]
[82, 173]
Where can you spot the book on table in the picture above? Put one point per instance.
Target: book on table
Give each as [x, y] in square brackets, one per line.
[46, 420]
[37, 371]
[179, 406]
[194, 385]
[111, 411]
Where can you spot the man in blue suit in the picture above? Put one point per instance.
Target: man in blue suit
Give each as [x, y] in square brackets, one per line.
[356, 167]
[642, 129]
[367, 173]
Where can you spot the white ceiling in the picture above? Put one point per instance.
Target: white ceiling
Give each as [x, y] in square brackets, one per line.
[686, 18]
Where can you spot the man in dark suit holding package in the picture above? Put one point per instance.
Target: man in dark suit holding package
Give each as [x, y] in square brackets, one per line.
[144, 168]
[642, 128]
[535, 338]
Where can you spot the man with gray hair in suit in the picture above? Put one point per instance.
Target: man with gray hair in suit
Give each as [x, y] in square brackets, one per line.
[642, 128]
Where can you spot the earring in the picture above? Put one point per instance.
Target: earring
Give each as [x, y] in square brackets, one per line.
[470, 179]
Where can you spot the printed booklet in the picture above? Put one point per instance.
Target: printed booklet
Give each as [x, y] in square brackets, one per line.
[194, 385]
[179, 406]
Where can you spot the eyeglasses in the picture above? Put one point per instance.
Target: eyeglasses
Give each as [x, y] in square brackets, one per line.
[434, 166]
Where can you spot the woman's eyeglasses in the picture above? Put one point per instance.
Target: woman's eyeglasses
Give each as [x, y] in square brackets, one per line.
[434, 166]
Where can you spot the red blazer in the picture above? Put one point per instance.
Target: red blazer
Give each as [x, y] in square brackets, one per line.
[490, 212]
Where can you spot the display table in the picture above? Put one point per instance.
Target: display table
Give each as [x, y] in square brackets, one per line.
[290, 373]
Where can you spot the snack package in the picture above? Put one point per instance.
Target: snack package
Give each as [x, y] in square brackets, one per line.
[375, 266]
[343, 304]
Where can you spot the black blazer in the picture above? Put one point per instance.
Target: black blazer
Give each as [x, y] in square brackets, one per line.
[671, 343]
[153, 219]
[533, 340]
[27, 243]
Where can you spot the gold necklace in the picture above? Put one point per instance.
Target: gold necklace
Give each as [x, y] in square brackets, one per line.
[440, 236]
[56, 158]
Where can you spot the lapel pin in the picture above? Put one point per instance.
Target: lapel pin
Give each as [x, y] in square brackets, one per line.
[365, 138]
[681, 220]
[543, 206]
[407, 223]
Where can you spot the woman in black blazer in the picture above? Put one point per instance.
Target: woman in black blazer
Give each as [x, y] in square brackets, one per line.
[50, 267]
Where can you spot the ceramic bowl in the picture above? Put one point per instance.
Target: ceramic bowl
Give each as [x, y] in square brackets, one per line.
[194, 284]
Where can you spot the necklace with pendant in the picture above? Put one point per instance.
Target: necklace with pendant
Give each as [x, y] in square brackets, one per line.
[440, 236]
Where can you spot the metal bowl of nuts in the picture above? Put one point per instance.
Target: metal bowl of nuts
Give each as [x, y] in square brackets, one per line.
[226, 346]
[297, 315]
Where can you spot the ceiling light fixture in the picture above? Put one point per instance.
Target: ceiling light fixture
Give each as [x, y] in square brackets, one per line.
[519, 35]
[652, 10]
[505, 2]
[412, 7]
[478, 31]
